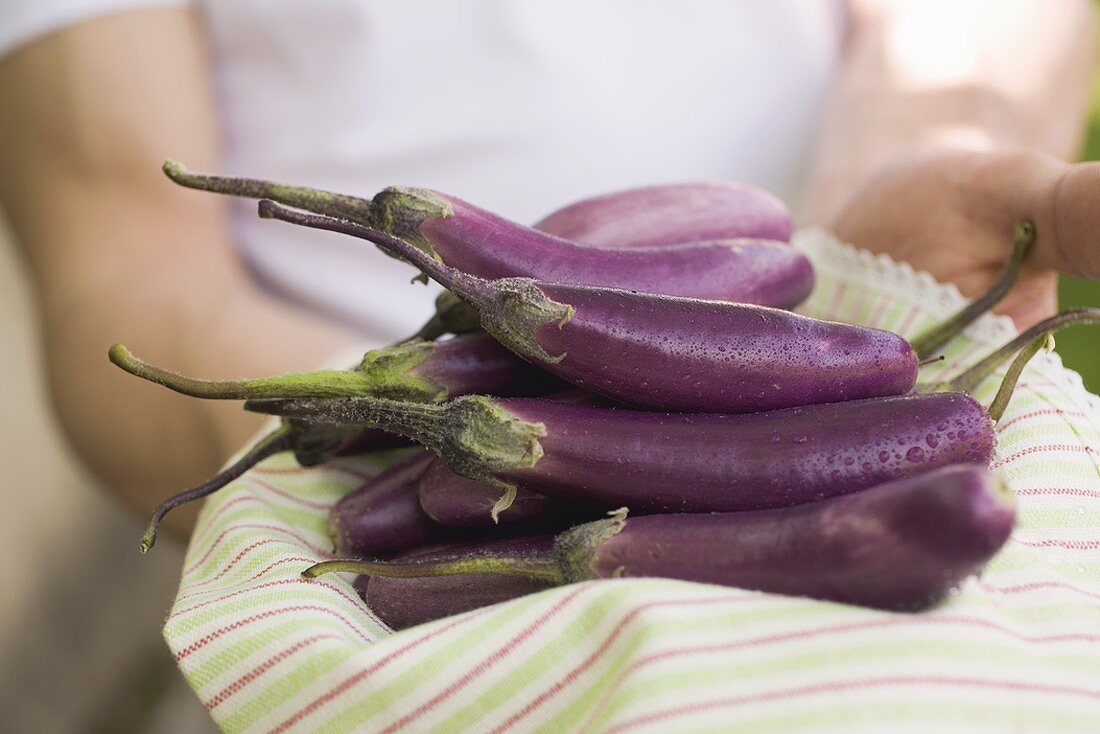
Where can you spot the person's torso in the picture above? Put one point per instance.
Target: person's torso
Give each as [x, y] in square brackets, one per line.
[517, 106]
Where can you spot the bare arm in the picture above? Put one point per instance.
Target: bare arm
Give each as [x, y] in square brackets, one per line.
[118, 253]
[976, 75]
[953, 120]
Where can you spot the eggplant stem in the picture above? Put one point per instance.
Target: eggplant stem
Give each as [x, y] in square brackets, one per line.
[321, 383]
[302, 197]
[1008, 385]
[413, 420]
[452, 316]
[935, 337]
[432, 329]
[541, 567]
[281, 439]
[474, 435]
[507, 497]
[973, 376]
[469, 287]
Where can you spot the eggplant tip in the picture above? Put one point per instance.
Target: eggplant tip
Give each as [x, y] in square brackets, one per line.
[173, 168]
[118, 354]
[267, 209]
[149, 539]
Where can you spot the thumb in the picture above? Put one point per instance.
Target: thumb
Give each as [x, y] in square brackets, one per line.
[1069, 223]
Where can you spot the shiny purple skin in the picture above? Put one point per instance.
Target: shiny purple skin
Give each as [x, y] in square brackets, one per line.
[746, 270]
[477, 364]
[672, 214]
[383, 517]
[452, 499]
[704, 356]
[402, 603]
[902, 545]
[706, 462]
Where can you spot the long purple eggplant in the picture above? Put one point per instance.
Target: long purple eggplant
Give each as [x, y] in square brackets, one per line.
[487, 245]
[678, 462]
[481, 243]
[664, 352]
[671, 214]
[902, 546]
[383, 516]
[402, 603]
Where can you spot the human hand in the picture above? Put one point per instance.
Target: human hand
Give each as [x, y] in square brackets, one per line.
[951, 213]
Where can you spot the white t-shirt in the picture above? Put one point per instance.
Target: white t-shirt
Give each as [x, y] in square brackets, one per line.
[519, 106]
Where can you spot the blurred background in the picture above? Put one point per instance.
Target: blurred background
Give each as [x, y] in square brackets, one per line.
[1080, 347]
[80, 616]
[81, 610]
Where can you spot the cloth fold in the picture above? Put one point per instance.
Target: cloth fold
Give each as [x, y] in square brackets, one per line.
[1017, 649]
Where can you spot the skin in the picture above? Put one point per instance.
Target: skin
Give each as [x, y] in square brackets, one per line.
[936, 143]
[115, 250]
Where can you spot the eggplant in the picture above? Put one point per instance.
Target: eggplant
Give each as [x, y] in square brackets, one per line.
[677, 462]
[481, 243]
[903, 546]
[383, 516]
[672, 214]
[665, 352]
[476, 241]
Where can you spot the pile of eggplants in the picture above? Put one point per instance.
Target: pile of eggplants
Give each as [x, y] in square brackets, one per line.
[620, 391]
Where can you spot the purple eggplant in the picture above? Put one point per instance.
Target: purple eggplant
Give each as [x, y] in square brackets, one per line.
[402, 603]
[478, 242]
[452, 499]
[383, 516]
[678, 462]
[664, 352]
[901, 546]
[672, 214]
[482, 243]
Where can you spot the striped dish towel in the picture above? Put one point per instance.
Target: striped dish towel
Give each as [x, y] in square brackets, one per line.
[1016, 650]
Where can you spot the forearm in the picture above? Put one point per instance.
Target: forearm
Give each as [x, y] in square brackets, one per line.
[972, 75]
[145, 442]
[119, 253]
